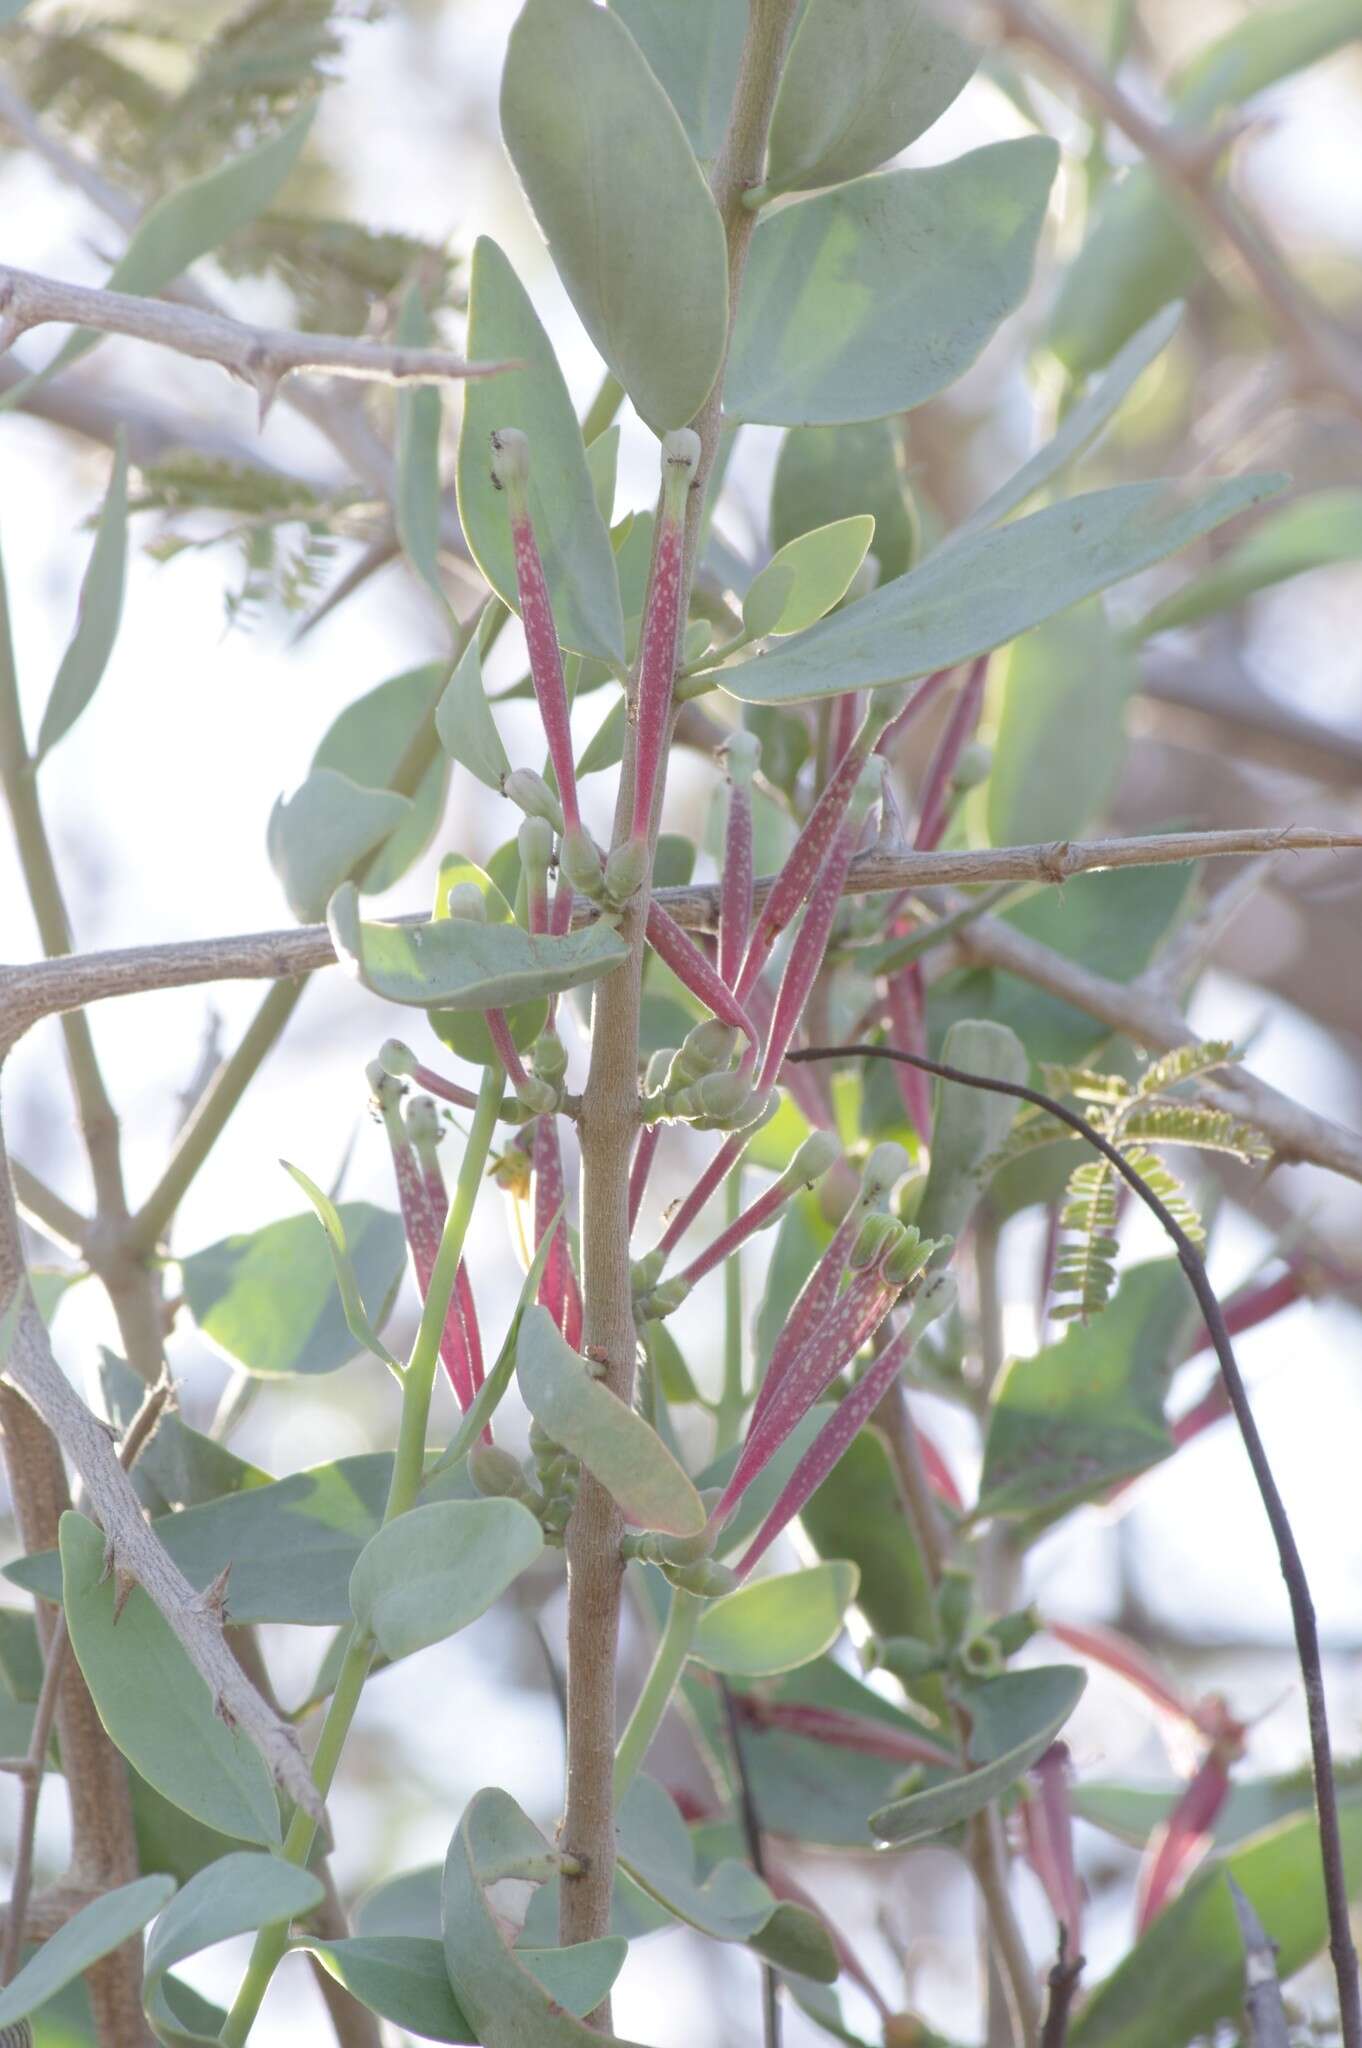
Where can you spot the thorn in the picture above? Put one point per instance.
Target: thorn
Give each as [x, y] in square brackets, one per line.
[224, 1714]
[124, 1582]
[106, 1570]
[213, 1599]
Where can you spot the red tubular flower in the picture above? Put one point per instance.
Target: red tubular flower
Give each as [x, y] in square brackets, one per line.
[735, 889]
[662, 622]
[645, 1150]
[854, 1317]
[809, 1164]
[886, 1164]
[510, 473]
[1210, 1716]
[847, 1418]
[558, 1285]
[713, 1177]
[673, 944]
[935, 812]
[926, 693]
[461, 1339]
[1047, 1834]
[806, 857]
[939, 1475]
[1182, 1840]
[846, 718]
[907, 1008]
[499, 1031]
[844, 1730]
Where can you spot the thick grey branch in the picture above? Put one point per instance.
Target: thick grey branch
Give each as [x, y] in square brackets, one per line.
[140, 1553]
[260, 356]
[51, 986]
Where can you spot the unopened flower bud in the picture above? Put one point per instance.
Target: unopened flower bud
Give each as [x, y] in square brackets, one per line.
[498, 1476]
[722, 1095]
[535, 839]
[706, 1578]
[741, 755]
[549, 1058]
[981, 1657]
[664, 1299]
[680, 452]
[975, 763]
[581, 865]
[819, 1152]
[954, 1602]
[907, 1657]
[510, 459]
[466, 902]
[423, 1121]
[626, 871]
[1011, 1632]
[396, 1058]
[533, 795]
[645, 1272]
[539, 1097]
[709, 1046]
[887, 1163]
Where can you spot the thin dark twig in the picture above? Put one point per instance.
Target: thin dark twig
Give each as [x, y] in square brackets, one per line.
[1063, 1982]
[1341, 1947]
[751, 1827]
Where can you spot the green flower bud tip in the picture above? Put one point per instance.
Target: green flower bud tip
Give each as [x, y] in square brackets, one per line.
[510, 459]
[907, 1258]
[955, 1601]
[396, 1059]
[535, 839]
[817, 1155]
[664, 1300]
[581, 864]
[686, 1550]
[908, 1656]
[741, 753]
[658, 1067]
[534, 796]
[549, 1058]
[466, 902]
[710, 1045]
[722, 1095]
[682, 1103]
[680, 454]
[423, 1121]
[539, 1097]
[877, 1236]
[761, 1107]
[626, 870]
[887, 1163]
[496, 1474]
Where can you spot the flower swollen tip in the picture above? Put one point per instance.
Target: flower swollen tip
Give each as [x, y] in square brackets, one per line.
[466, 903]
[534, 797]
[510, 460]
[680, 454]
[626, 870]
[395, 1059]
[886, 1166]
[741, 757]
[580, 864]
[549, 1058]
[817, 1155]
[423, 1122]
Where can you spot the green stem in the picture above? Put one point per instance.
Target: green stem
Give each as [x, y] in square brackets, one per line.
[668, 1660]
[728, 1413]
[272, 1942]
[408, 1471]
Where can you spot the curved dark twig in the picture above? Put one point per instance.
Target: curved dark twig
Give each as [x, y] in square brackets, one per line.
[1341, 1947]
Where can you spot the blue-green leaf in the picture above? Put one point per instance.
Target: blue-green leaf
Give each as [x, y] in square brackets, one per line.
[105, 1924]
[402, 1977]
[694, 51]
[464, 721]
[627, 215]
[268, 1298]
[322, 831]
[352, 1301]
[98, 612]
[968, 1125]
[862, 79]
[828, 473]
[433, 1570]
[579, 563]
[455, 964]
[154, 1705]
[1309, 533]
[656, 1849]
[1038, 1703]
[374, 739]
[238, 1893]
[873, 297]
[807, 577]
[966, 599]
[777, 1623]
[1060, 737]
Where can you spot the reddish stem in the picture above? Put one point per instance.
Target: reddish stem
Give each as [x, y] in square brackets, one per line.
[958, 731]
[720, 1166]
[753, 1218]
[735, 892]
[925, 694]
[499, 1031]
[645, 1152]
[674, 945]
[807, 952]
[906, 1005]
[1183, 1839]
[659, 637]
[844, 1730]
[510, 472]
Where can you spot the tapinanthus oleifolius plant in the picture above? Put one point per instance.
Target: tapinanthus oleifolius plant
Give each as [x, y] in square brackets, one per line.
[599, 1039]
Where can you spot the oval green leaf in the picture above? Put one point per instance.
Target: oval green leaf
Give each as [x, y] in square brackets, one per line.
[506, 2002]
[403, 1978]
[98, 612]
[232, 1896]
[828, 473]
[1061, 734]
[656, 1849]
[1039, 1702]
[628, 217]
[454, 964]
[694, 52]
[873, 297]
[320, 834]
[623, 1452]
[579, 563]
[808, 576]
[861, 81]
[465, 1032]
[105, 1924]
[352, 1301]
[153, 1703]
[269, 1300]
[969, 1125]
[429, 1573]
[464, 721]
[385, 740]
[968, 598]
[1310, 533]
[776, 1624]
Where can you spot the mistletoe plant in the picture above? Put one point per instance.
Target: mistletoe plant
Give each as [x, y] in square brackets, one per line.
[834, 1051]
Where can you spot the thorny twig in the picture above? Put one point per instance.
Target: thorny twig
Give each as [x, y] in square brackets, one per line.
[1341, 1945]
